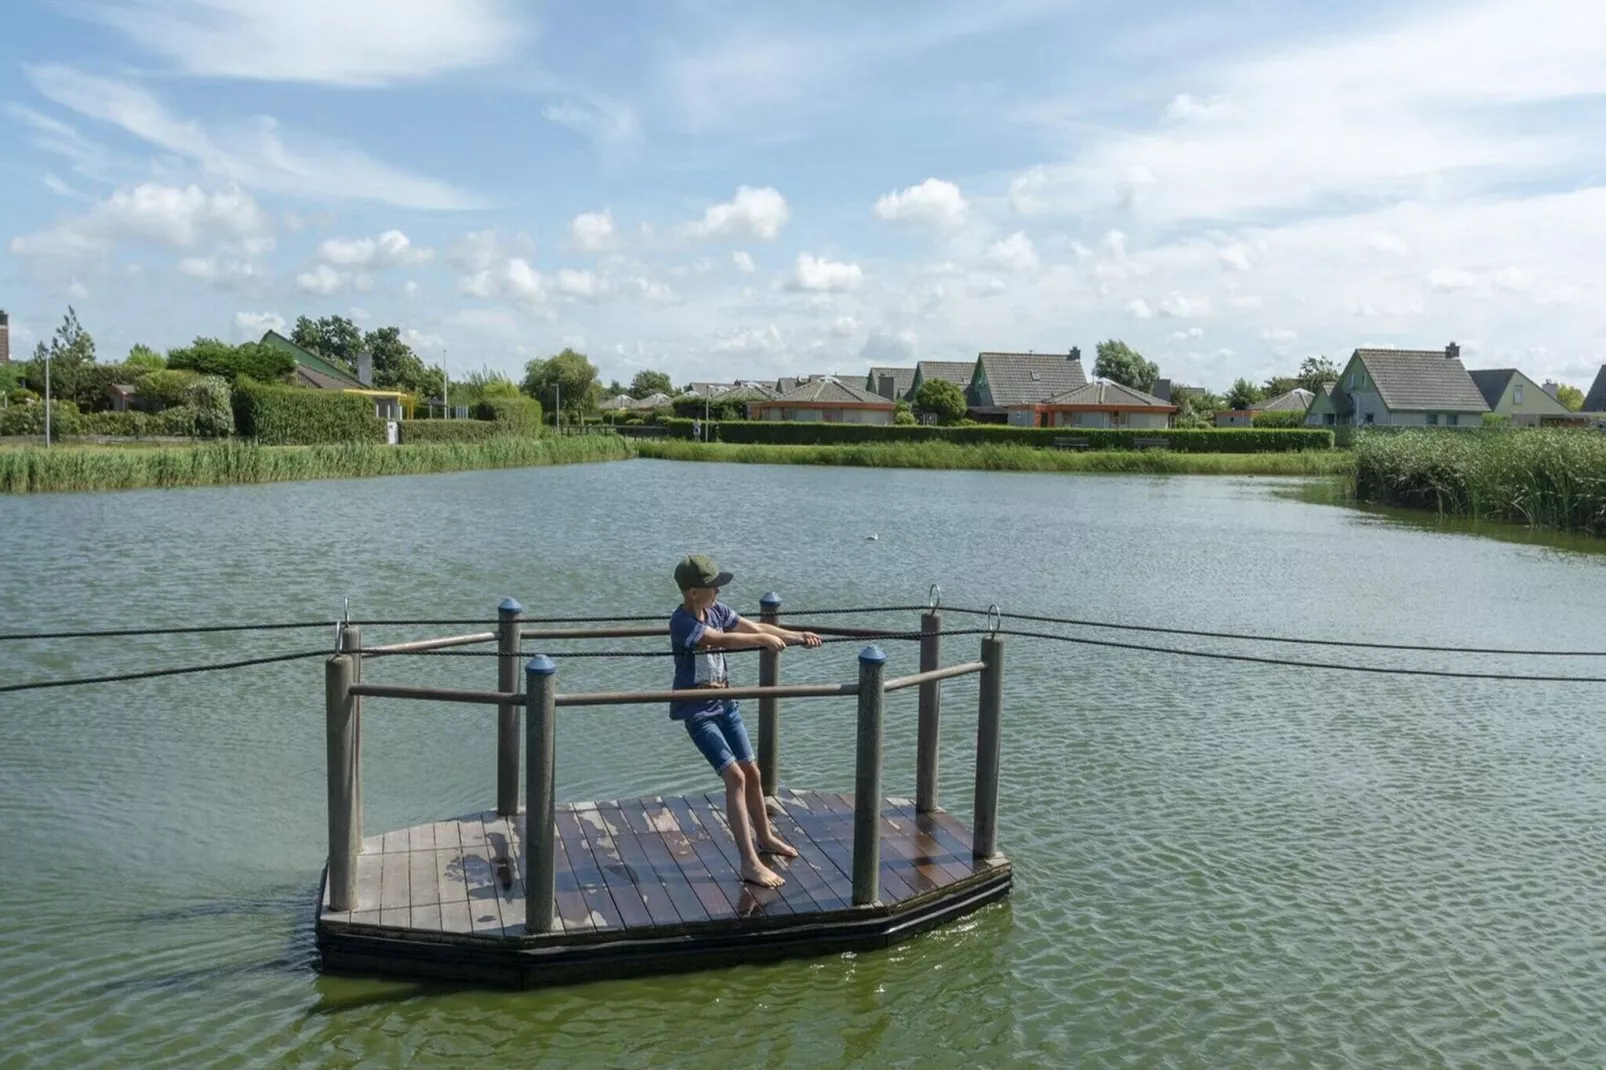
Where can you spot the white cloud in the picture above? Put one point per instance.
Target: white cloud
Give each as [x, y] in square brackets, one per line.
[1279, 334]
[752, 213]
[1115, 244]
[844, 326]
[346, 43]
[1185, 107]
[1235, 257]
[1014, 253]
[174, 216]
[1023, 191]
[1448, 280]
[934, 202]
[606, 122]
[410, 288]
[581, 284]
[1385, 242]
[255, 324]
[593, 232]
[427, 346]
[1181, 306]
[826, 276]
[224, 273]
[744, 262]
[253, 153]
[654, 292]
[322, 280]
[1512, 280]
[390, 250]
[1139, 309]
[890, 348]
[753, 342]
[1190, 333]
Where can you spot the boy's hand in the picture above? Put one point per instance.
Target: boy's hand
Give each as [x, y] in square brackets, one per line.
[769, 642]
[807, 638]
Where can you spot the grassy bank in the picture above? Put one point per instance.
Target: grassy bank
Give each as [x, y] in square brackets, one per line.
[1006, 458]
[89, 468]
[1545, 479]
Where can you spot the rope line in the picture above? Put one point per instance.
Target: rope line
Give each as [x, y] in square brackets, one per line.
[151, 674]
[191, 630]
[824, 641]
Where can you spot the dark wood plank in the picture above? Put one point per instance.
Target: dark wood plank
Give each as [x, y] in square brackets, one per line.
[921, 874]
[821, 826]
[797, 896]
[507, 874]
[485, 913]
[571, 904]
[450, 887]
[633, 912]
[710, 892]
[825, 884]
[394, 889]
[746, 899]
[688, 906]
[927, 847]
[587, 871]
[654, 894]
[950, 828]
[894, 889]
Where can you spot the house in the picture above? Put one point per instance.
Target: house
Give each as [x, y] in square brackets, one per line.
[1321, 412]
[1296, 400]
[894, 383]
[313, 370]
[1595, 400]
[827, 399]
[1168, 390]
[618, 401]
[1402, 388]
[650, 402]
[122, 395]
[1102, 403]
[1010, 387]
[957, 372]
[1508, 392]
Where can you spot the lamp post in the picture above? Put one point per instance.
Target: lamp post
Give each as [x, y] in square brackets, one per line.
[47, 399]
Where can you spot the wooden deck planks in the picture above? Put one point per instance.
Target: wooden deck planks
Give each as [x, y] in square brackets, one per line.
[601, 911]
[704, 884]
[826, 884]
[627, 896]
[650, 884]
[677, 885]
[723, 865]
[793, 893]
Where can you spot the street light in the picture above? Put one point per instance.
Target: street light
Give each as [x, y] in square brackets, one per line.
[47, 399]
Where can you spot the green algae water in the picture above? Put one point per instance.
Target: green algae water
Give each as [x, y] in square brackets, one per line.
[1217, 864]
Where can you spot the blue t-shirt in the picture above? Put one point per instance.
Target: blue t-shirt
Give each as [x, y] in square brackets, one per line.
[699, 668]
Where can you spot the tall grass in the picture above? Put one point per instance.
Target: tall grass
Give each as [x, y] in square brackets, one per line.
[1007, 458]
[1552, 479]
[77, 468]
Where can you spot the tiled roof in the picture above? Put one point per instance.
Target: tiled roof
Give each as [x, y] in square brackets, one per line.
[333, 376]
[1492, 382]
[1416, 379]
[618, 401]
[902, 380]
[1101, 394]
[749, 392]
[1296, 400]
[1595, 400]
[315, 378]
[831, 391]
[1027, 378]
[957, 372]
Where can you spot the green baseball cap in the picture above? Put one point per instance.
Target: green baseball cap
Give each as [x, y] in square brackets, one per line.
[699, 570]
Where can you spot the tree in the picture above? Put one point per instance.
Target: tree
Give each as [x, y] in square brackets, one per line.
[902, 414]
[213, 356]
[1278, 385]
[1120, 363]
[143, 356]
[1571, 398]
[1316, 370]
[334, 338]
[1243, 395]
[396, 365]
[568, 374]
[941, 400]
[69, 349]
[647, 383]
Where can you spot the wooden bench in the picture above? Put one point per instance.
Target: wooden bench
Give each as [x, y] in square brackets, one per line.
[1151, 443]
[1065, 442]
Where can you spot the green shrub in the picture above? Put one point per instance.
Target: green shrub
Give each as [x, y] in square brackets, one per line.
[210, 356]
[1211, 440]
[520, 415]
[90, 385]
[163, 389]
[296, 416]
[65, 419]
[213, 408]
[129, 424]
[1288, 418]
[691, 408]
[450, 431]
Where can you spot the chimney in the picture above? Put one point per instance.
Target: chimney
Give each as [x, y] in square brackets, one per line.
[1076, 354]
[5, 337]
[1162, 389]
[1452, 351]
[1552, 388]
[884, 386]
[365, 368]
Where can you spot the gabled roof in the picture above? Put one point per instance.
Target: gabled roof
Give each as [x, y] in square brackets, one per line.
[1595, 400]
[1102, 394]
[1028, 378]
[1492, 383]
[618, 401]
[747, 392]
[829, 391]
[651, 401]
[330, 376]
[1296, 400]
[1416, 379]
[957, 372]
[903, 379]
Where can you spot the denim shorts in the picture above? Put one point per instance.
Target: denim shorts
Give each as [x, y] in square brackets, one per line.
[721, 737]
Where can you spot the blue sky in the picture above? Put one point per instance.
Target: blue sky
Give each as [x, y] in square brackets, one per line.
[726, 190]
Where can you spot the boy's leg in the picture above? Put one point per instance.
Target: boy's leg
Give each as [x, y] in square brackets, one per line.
[754, 871]
[768, 839]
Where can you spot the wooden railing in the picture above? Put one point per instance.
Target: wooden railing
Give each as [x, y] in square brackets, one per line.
[344, 692]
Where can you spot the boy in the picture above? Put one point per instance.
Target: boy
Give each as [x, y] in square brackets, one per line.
[701, 629]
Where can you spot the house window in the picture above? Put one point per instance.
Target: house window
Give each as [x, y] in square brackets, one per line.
[1433, 419]
[1368, 417]
[1516, 395]
[1349, 384]
[1451, 419]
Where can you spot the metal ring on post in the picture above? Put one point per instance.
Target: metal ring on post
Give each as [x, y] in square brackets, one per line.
[995, 619]
[934, 597]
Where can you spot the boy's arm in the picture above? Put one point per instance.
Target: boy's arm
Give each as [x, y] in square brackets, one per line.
[738, 639]
[753, 627]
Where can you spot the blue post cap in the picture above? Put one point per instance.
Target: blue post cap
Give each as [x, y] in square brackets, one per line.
[510, 605]
[541, 665]
[872, 655]
[770, 598]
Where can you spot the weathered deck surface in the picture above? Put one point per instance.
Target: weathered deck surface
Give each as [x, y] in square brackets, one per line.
[652, 871]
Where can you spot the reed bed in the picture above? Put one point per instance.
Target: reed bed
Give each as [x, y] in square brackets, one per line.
[68, 468]
[1552, 479]
[1005, 458]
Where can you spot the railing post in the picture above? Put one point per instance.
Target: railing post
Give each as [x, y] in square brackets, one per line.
[351, 646]
[344, 834]
[989, 737]
[540, 686]
[867, 779]
[930, 734]
[769, 714]
[508, 619]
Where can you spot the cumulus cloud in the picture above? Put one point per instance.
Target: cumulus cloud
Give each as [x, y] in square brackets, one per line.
[256, 324]
[759, 341]
[1024, 191]
[593, 232]
[1139, 309]
[744, 262]
[825, 276]
[934, 202]
[1187, 335]
[1235, 257]
[1448, 280]
[582, 284]
[391, 249]
[1181, 306]
[844, 326]
[322, 280]
[513, 278]
[752, 213]
[1014, 253]
[220, 272]
[1279, 334]
[176, 216]
[888, 347]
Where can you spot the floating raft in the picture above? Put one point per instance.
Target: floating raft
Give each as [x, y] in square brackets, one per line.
[646, 885]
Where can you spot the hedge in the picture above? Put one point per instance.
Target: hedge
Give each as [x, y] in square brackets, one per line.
[522, 416]
[1207, 440]
[300, 416]
[451, 431]
[65, 419]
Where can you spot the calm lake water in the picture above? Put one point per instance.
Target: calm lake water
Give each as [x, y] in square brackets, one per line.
[1217, 864]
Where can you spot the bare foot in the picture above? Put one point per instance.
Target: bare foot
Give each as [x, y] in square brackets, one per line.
[774, 845]
[761, 875]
